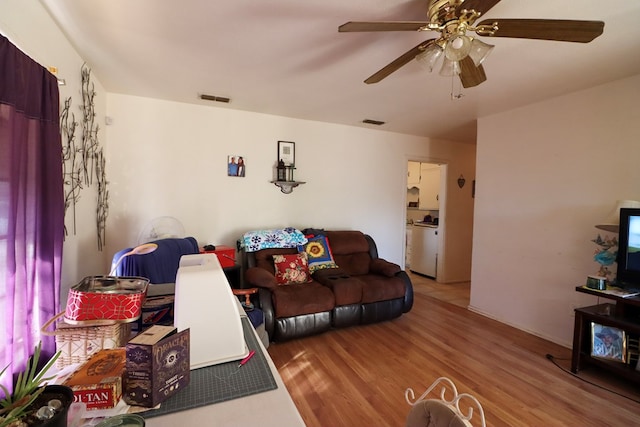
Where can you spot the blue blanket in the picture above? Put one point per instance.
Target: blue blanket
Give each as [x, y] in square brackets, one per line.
[159, 266]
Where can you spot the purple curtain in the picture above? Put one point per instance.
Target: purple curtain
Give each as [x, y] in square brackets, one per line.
[31, 207]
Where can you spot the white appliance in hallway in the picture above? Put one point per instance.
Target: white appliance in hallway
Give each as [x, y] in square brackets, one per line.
[424, 249]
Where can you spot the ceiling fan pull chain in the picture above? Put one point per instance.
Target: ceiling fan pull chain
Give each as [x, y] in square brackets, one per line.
[456, 90]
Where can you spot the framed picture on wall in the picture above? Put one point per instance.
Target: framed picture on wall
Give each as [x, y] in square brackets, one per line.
[235, 165]
[287, 152]
[608, 342]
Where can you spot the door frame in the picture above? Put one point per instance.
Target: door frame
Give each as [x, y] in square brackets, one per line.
[442, 211]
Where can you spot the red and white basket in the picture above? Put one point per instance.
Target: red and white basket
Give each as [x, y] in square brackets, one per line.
[105, 300]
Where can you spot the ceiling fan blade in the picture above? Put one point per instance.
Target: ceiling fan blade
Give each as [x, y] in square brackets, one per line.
[482, 6]
[470, 75]
[357, 26]
[402, 60]
[545, 29]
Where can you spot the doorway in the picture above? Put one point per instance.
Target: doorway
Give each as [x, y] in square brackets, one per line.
[426, 199]
[425, 208]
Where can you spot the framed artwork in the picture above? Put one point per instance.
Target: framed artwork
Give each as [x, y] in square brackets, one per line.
[235, 166]
[608, 343]
[287, 152]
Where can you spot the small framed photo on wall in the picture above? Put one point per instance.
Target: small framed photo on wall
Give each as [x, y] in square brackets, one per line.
[608, 342]
[235, 166]
[287, 152]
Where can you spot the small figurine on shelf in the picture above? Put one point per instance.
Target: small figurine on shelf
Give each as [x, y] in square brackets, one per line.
[605, 255]
[282, 171]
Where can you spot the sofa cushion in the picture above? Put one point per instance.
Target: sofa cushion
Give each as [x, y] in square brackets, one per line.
[297, 299]
[381, 288]
[346, 289]
[350, 251]
[264, 258]
[291, 268]
[347, 242]
[354, 264]
[319, 253]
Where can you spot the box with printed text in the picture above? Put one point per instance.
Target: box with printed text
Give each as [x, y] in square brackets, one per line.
[157, 366]
[98, 381]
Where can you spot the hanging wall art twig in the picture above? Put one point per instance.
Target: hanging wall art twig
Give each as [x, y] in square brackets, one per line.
[84, 160]
[93, 161]
[70, 162]
[90, 129]
[102, 209]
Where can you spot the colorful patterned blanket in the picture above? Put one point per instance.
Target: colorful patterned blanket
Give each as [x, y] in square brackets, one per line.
[277, 238]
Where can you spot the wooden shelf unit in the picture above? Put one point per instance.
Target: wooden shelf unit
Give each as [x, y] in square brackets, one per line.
[623, 314]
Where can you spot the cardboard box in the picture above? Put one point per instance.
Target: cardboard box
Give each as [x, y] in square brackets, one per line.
[98, 381]
[157, 366]
[226, 255]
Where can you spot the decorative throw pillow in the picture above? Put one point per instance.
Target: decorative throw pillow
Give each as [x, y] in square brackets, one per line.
[291, 269]
[319, 253]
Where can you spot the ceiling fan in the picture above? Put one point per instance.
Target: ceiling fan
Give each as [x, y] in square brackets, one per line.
[463, 54]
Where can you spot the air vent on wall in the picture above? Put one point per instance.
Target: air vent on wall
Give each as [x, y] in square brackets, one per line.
[215, 98]
[373, 122]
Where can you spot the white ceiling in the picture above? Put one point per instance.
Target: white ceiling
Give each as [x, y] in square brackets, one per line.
[286, 57]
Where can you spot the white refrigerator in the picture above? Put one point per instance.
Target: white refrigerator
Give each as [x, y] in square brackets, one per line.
[424, 249]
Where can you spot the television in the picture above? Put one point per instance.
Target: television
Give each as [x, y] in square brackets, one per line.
[628, 273]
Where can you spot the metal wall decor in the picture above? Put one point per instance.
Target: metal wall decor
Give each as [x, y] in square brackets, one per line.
[92, 155]
[102, 209]
[70, 164]
[83, 160]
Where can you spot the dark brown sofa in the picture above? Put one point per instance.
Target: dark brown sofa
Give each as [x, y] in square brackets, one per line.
[363, 289]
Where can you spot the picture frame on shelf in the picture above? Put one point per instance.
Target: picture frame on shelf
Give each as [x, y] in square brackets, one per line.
[287, 152]
[608, 343]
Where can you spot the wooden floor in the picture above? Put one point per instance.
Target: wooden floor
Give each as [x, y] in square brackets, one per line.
[357, 376]
[454, 293]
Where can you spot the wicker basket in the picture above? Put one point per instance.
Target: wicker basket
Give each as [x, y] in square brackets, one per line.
[77, 343]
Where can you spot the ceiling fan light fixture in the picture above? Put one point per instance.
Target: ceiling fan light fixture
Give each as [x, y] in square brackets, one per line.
[458, 47]
[427, 59]
[449, 68]
[479, 51]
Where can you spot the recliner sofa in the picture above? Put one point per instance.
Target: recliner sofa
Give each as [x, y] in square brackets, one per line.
[361, 288]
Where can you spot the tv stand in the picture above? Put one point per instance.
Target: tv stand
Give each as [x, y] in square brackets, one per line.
[623, 314]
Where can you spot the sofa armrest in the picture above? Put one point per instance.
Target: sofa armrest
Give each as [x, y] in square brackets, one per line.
[383, 267]
[266, 304]
[408, 291]
[259, 277]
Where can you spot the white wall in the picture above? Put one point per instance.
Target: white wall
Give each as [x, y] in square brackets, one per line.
[547, 173]
[169, 159]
